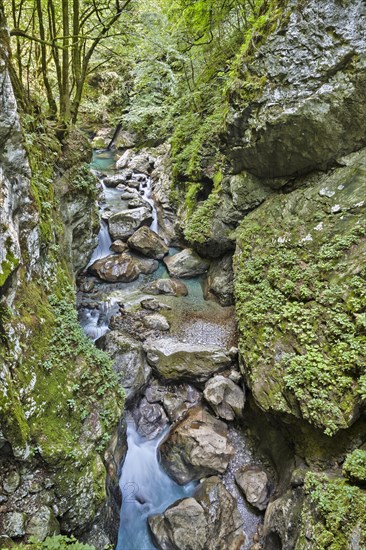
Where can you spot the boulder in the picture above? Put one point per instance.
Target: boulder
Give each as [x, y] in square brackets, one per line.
[151, 304]
[119, 247]
[196, 447]
[308, 105]
[140, 161]
[150, 419]
[129, 362]
[219, 284]
[176, 399]
[226, 398]
[186, 263]
[43, 524]
[182, 526]
[148, 243]
[116, 268]
[255, 484]
[156, 322]
[224, 522]
[170, 287]
[183, 361]
[145, 265]
[137, 202]
[123, 224]
[113, 181]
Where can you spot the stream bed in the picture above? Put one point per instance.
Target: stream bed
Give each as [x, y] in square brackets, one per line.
[146, 487]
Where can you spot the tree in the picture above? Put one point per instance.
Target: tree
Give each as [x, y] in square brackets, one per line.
[55, 42]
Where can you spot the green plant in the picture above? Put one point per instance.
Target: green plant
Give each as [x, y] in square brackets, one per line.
[354, 467]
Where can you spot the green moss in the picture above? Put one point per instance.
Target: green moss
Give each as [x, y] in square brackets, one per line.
[299, 290]
[199, 225]
[7, 267]
[354, 467]
[334, 514]
[57, 542]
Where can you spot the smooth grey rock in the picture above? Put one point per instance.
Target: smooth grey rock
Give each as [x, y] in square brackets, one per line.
[186, 263]
[148, 243]
[119, 247]
[138, 202]
[225, 397]
[170, 287]
[113, 181]
[122, 268]
[182, 361]
[145, 265]
[255, 484]
[123, 224]
[156, 322]
[150, 419]
[177, 402]
[219, 283]
[128, 361]
[196, 447]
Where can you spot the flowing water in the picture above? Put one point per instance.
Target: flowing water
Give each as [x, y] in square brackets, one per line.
[145, 486]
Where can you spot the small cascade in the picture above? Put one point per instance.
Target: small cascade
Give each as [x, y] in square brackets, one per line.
[147, 192]
[104, 243]
[146, 488]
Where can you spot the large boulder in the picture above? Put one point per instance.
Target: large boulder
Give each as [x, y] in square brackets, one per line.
[176, 399]
[139, 161]
[148, 243]
[183, 361]
[123, 224]
[121, 267]
[219, 284]
[308, 81]
[156, 321]
[186, 263]
[150, 419]
[129, 361]
[209, 521]
[113, 181]
[169, 287]
[255, 484]
[196, 447]
[225, 397]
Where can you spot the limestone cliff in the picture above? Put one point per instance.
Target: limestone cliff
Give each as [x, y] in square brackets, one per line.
[54, 429]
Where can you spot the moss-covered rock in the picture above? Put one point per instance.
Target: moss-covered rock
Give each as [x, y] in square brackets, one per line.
[299, 285]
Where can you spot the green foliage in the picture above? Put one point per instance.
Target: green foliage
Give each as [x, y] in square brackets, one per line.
[84, 182]
[354, 467]
[336, 512]
[198, 227]
[57, 542]
[301, 298]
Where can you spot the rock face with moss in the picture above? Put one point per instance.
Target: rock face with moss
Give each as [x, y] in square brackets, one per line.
[309, 106]
[54, 429]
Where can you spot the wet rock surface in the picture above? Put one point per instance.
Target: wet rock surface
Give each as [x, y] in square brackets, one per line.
[123, 224]
[219, 283]
[196, 447]
[148, 243]
[170, 287]
[121, 268]
[186, 264]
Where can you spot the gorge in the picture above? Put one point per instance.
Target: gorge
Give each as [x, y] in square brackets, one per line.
[182, 282]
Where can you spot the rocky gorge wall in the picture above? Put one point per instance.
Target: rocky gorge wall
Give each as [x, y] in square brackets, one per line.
[289, 205]
[54, 431]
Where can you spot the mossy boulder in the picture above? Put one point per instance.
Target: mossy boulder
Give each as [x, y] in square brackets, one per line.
[299, 285]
